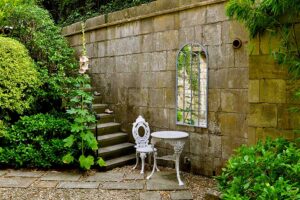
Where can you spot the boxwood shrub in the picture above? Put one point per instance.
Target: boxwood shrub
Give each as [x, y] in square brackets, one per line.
[269, 170]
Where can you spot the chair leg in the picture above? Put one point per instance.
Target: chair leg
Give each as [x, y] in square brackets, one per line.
[137, 160]
[143, 156]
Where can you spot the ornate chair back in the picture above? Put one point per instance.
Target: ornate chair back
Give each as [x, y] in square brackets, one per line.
[141, 141]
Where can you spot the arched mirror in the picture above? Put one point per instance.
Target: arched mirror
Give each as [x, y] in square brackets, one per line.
[191, 85]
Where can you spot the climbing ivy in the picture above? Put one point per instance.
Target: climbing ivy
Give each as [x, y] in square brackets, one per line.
[280, 19]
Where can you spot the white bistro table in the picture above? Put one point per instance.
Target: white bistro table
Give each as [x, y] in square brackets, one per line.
[176, 139]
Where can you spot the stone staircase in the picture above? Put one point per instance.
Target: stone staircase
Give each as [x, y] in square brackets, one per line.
[114, 145]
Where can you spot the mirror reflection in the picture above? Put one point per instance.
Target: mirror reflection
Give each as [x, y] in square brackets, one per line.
[192, 85]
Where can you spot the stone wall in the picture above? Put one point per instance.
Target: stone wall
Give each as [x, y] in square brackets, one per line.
[271, 94]
[133, 55]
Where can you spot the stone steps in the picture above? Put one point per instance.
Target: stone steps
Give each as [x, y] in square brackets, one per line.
[120, 161]
[112, 139]
[99, 108]
[114, 147]
[105, 118]
[107, 128]
[115, 151]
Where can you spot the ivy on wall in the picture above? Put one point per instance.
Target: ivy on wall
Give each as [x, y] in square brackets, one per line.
[280, 19]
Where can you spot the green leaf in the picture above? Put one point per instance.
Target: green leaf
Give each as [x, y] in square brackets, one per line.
[76, 128]
[68, 158]
[86, 162]
[69, 141]
[101, 162]
[90, 140]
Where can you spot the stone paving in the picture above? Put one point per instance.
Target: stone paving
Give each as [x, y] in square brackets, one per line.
[112, 181]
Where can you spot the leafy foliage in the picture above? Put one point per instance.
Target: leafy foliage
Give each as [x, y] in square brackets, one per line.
[55, 60]
[79, 105]
[19, 78]
[80, 110]
[278, 18]
[35, 141]
[264, 171]
[67, 12]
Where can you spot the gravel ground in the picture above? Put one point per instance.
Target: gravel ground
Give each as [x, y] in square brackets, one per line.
[197, 185]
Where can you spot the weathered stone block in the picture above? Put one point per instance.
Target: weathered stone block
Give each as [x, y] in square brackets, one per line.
[186, 35]
[138, 97]
[261, 67]
[167, 40]
[147, 25]
[241, 57]
[170, 99]
[198, 33]
[212, 34]
[234, 101]
[171, 60]
[164, 22]
[159, 60]
[159, 117]
[214, 99]
[238, 78]
[150, 196]
[148, 44]
[100, 34]
[145, 60]
[253, 92]
[264, 133]
[112, 32]
[262, 115]
[233, 125]
[272, 91]
[117, 16]
[216, 13]
[166, 4]
[123, 185]
[121, 65]
[156, 98]
[78, 185]
[232, 30]
[221, 56]
[192, 17]
[95, 21]
[100, 49]
[199, 144]
[164, 79]
[75, 40]
[229, 144]
[130, 29]
[251, 135]
[217, 79]
[181, 195]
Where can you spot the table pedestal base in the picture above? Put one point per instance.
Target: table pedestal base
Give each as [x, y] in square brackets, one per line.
[178, 147]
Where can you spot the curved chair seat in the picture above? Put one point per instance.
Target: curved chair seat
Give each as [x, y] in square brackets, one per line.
[148, 149]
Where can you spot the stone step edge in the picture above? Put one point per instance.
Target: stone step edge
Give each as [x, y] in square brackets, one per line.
[116, 147]
[121, 159]
[111, 136]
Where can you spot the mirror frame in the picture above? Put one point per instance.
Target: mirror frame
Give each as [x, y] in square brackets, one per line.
[204, 49]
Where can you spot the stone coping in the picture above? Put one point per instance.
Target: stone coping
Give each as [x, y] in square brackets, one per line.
[155, 8]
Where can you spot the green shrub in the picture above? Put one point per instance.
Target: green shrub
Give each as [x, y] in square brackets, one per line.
[269, 170]
[56, 61]
[67, 12]
[35, 141]
[19, 77]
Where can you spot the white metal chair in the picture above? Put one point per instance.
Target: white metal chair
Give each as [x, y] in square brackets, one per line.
[142, 143]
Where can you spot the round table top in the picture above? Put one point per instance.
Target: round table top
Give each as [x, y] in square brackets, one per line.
[169, 134]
